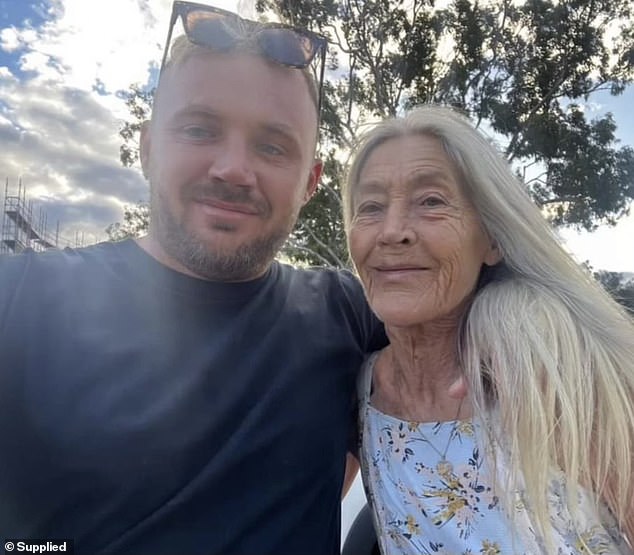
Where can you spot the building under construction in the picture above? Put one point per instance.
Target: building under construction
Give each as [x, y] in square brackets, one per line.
[23, 227]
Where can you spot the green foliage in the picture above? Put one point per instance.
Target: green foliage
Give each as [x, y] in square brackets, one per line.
[136, 218]
[523, 69]
[320, 240]
[139, 103]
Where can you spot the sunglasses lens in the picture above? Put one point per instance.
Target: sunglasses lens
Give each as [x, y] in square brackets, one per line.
[287, 46]
[221, 31]
[210, 29]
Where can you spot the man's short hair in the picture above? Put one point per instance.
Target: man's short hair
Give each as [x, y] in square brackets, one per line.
[182, 50]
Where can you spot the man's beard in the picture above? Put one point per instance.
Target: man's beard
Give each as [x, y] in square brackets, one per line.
[246, 262]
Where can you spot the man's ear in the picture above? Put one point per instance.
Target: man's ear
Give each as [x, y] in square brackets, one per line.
[145, 146]
[313, 180]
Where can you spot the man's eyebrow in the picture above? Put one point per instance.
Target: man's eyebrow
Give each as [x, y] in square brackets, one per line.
[197, 111]
[281, 129]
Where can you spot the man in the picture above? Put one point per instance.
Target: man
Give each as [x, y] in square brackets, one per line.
[185, 393]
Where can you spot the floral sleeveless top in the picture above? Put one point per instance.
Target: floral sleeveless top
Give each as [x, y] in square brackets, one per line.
[431, 493]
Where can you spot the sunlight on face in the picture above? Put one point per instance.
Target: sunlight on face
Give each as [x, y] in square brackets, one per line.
[415, 238]
[230, 161]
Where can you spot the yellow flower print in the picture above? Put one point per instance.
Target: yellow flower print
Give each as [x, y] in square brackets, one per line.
[465, 427]
[490, 548]
[412, 525]
[453, 503]
[592, 542]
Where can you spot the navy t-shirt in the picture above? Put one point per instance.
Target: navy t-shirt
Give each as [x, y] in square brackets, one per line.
[144, 411]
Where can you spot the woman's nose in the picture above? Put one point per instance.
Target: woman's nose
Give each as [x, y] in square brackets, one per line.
[397, 228]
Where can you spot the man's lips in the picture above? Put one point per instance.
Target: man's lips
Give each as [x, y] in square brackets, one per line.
[229, 206]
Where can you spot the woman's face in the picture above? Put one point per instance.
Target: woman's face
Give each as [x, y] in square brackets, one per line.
[416, 240]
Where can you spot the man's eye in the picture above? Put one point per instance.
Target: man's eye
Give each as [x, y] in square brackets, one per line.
[270, 149]
[198, 132]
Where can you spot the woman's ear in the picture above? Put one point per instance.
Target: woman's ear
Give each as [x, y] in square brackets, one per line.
[493, 255]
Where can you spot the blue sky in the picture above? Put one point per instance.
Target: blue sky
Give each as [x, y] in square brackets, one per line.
[63, 66]
[610, 248]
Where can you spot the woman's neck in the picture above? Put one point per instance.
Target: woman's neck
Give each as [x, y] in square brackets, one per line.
[413, 374]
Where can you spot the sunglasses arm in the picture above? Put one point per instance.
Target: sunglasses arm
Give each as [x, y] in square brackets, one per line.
[173, 19]
[321, 83]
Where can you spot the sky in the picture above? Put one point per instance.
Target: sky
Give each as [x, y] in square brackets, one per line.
[64, 67]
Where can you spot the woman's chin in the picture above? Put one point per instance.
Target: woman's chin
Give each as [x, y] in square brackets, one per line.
[398, 318]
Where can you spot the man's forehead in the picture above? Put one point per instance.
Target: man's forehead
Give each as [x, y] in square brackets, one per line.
[242, 86]
[223, 65]
[203, 75]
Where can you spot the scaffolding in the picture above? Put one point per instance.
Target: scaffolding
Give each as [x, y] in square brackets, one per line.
[21, 229]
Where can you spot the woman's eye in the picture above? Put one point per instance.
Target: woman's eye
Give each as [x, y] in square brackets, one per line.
[368, 208]
[432, 201]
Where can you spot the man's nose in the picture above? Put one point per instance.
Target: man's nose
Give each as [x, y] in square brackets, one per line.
[233, 163]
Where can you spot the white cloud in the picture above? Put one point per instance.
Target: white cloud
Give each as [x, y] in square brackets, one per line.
[60, 136]
[60, 113]
[64, 146]
[86, 41]
[9, 39]
[607, 248]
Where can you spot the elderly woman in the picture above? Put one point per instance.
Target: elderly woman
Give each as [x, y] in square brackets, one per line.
[471, 281]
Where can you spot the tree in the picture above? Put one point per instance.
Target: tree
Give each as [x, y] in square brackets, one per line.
[139, 103]
[524, 70]
[618, 286]
[136, 218]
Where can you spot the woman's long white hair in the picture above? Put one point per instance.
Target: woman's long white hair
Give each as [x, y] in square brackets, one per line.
[542, 342]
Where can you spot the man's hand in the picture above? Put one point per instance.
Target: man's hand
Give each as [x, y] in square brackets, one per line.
[352, 467]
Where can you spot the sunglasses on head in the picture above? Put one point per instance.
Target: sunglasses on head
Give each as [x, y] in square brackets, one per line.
[221, 31]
